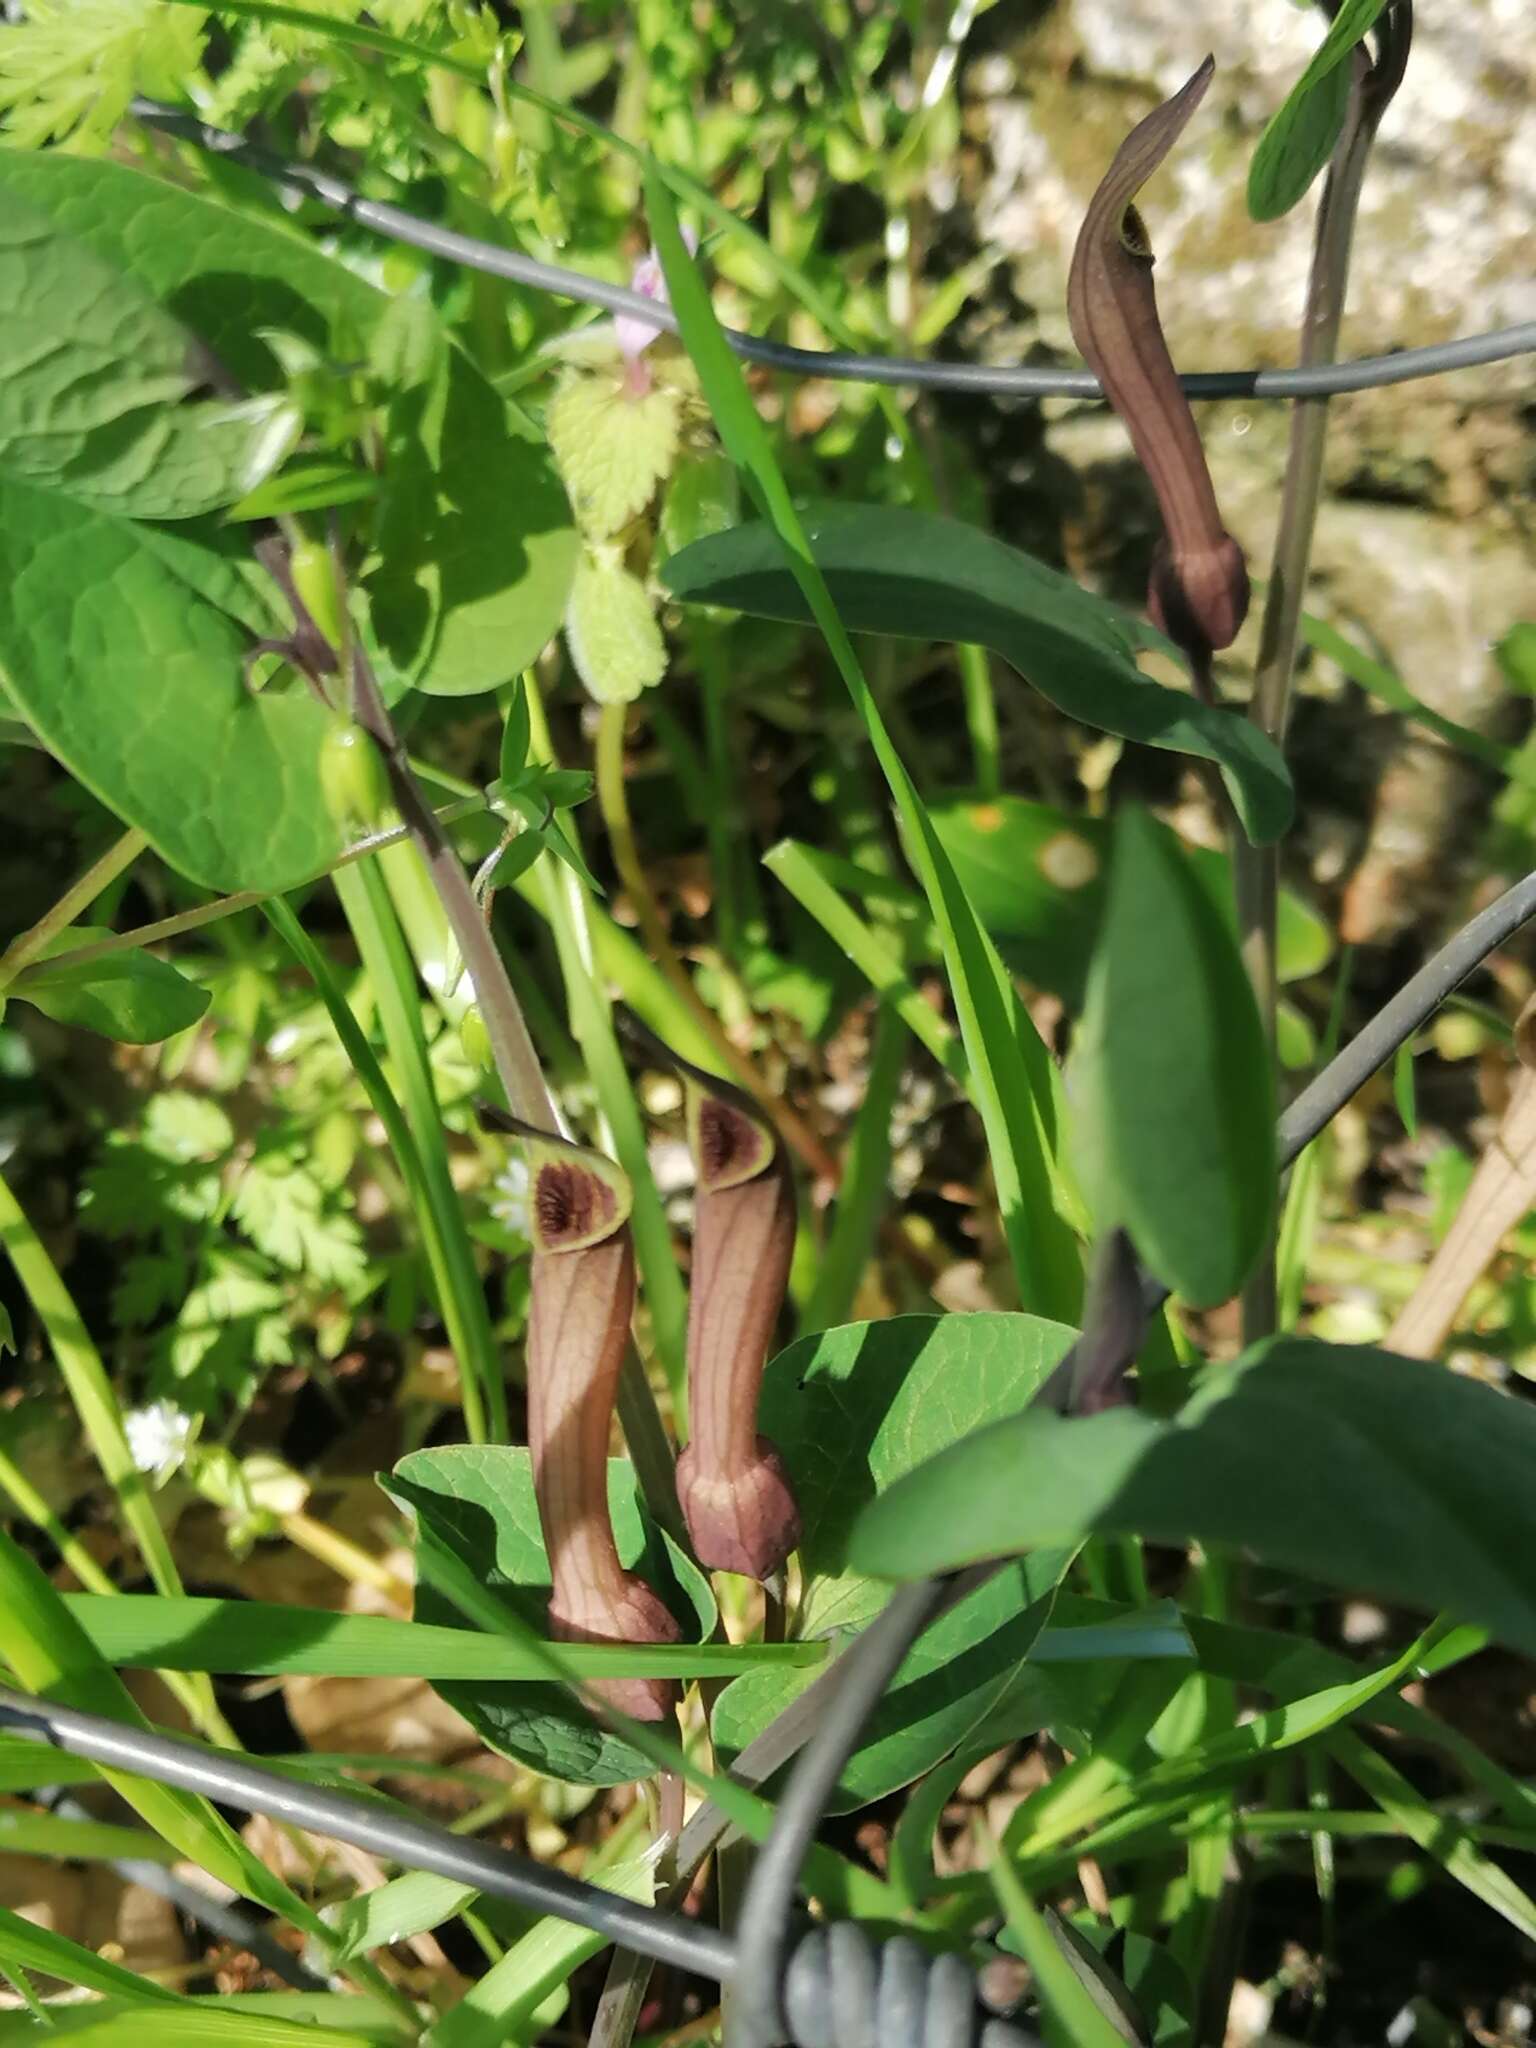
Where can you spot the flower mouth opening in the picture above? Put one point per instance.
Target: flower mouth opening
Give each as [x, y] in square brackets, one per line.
[732, 1147]
[571, 1205]
[1133, 235]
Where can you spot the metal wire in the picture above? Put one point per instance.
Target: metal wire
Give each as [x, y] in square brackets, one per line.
[978, 379]
[822, 1988]
[836, 1985]
[347, 1817]
[869, 1666]
[1396, 1021]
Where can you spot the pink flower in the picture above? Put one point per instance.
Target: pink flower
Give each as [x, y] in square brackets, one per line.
[633, 331]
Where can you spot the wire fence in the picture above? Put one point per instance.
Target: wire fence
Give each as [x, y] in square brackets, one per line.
[1322, 380]
[819, 1987]
[816, 1987]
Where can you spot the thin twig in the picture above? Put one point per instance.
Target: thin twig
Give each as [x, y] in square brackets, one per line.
[1502, 1192]
[243, 899]
[103, 871]
[1257, 869]
[516, 1061]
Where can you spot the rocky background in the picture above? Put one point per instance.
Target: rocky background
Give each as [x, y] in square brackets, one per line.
[1424, 542]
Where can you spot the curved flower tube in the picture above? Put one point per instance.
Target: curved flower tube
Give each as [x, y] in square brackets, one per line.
[582, 1300]
[1198, 590]
[731, 1483]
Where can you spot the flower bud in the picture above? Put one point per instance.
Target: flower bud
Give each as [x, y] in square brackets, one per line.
[353, 779]
[476, 1040]
[318, 588]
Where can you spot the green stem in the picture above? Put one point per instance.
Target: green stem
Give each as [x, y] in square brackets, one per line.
[243, 899]
[1257, 869]
[738, 921]
[516, 1061]
[865, 1176]
[391, 974]
[795, 867]
[450, 1259]
[119, 856]
[981, 718]
[614, 806]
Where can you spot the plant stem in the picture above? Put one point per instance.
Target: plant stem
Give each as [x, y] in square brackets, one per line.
[392, 974]
[738, 915]
[614, 805]
[516, 1061]
[244, 899]
[103, 871]
[1257, 869]
[862, 1196]
[344, 1557]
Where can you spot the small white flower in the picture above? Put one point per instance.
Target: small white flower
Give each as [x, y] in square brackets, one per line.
[509, 1202]
[158, 1437]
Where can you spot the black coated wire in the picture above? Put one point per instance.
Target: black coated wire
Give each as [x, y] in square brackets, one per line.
[1395, 1023]
[776, 1867]
[980, 380]
[816, 1988]
[347, 1817]
[825, 1988]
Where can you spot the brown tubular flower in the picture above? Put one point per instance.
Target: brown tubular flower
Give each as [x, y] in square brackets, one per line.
[583, 1297]
[1198, 591]
[734, 1492]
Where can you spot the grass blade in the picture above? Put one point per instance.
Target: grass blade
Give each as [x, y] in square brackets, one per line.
[1015, 1082]
[365, 899]
[254, 1638]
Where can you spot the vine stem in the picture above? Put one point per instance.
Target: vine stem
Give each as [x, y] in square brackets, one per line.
[614, 805]
[516, 1061]
[243, 899]
[102, 872]
[1257, 869]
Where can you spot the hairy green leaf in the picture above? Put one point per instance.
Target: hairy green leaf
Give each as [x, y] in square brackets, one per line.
[612, 632]
[612, 446]
[135, 684]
